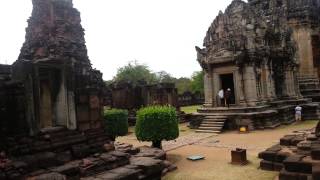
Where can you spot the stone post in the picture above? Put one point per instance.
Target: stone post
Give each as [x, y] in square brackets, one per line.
[208, 89]
[216, 87]
[239, 87]
[250, 89]
[269, 86]
[289, 83]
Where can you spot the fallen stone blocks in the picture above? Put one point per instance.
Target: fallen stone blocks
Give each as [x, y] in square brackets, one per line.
[297, 157]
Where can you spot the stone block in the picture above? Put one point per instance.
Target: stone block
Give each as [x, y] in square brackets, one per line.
[296, 140]
[285, 175]
[95, 114]
[121, 173]
[316, 172]
[268, 155]
[80, 151]
[82, 113]
[48, 176]
[315, 154]
[149, 166]
[304, 145]
[239, 156]
[70, 170]
[294, 163]
[94, 102]
[277, 166]
[281, 156]
[286, 140]
[266, 165]
[275, 148]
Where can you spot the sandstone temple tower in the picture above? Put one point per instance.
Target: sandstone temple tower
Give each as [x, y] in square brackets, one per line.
[59, 88]
[267, 53]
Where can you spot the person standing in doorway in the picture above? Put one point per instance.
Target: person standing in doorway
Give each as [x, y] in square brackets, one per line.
[221, 97]
[298, 113]
[228, 97]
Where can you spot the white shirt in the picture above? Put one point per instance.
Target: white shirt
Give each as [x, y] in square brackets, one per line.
[221, 93]
[298, 110]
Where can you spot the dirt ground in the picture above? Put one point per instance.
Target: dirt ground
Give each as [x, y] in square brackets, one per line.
[216, 150]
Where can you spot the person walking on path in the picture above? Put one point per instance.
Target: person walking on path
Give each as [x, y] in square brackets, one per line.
[221, 97]
[228, 97]
[298, 113]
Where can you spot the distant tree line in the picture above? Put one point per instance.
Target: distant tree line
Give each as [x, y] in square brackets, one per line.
[135, 73]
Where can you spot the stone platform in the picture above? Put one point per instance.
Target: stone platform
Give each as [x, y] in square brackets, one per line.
[269, 115]
[295, 157]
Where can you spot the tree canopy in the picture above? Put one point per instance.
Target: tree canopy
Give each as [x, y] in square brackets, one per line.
[197, 82]
[136, 73]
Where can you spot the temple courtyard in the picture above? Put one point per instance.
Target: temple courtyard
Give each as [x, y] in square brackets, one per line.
[217, 152]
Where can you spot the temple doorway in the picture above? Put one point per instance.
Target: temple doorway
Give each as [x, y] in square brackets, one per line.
[227, 82]
[316, 52]
[52, 98]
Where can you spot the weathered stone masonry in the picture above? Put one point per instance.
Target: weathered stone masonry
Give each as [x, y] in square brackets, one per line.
[51, 109]
[267, 52]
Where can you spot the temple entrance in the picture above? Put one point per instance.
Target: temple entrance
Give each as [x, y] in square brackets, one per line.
[227, 82]
[316, 52]
[52, 98]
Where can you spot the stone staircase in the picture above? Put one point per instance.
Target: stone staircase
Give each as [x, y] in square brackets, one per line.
[212, 124]
[310, 87]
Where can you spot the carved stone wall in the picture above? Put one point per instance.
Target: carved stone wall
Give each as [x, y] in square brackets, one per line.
[267, 40]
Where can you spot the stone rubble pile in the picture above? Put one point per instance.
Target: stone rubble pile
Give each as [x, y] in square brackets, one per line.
[297, 156]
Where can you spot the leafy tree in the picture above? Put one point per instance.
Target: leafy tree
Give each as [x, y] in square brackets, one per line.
[116, 122]
[157, 123]
[183, 84]
[135, 73]
[164, 77]
[197, 82]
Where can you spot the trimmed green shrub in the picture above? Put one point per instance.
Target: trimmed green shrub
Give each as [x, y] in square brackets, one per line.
[157, 123]
[116, 122]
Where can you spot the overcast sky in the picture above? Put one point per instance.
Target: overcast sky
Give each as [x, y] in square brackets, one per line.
[159, 33]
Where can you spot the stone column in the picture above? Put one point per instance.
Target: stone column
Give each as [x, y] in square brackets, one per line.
[250, 89]
[216, 87]
[269, 86]
[208, 90]
[302, 36]
[289, 83]
[239, 87]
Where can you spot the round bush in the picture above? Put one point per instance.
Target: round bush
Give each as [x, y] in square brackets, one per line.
[116, 122]
[157, 123]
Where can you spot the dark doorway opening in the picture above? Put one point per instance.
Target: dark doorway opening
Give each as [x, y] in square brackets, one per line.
[227, 82]
[316, 52]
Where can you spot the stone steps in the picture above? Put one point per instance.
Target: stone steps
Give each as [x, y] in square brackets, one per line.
[212, 123]
[208, 131]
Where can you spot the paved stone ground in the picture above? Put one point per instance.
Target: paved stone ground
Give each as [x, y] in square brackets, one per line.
[185, 140]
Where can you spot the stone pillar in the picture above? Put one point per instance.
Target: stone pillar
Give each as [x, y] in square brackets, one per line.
[269, 84]
[216, 87]
[302, 36]
[239, 87]
[250, 89]
[289, 83]
[208, 89]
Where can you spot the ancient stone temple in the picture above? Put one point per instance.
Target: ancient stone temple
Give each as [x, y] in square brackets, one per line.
[267, 53]
[127, 96]
[51, 108]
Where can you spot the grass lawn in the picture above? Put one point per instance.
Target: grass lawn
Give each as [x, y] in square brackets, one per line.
[190, 109]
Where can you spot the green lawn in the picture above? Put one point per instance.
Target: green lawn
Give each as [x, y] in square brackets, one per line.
[190, 109]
